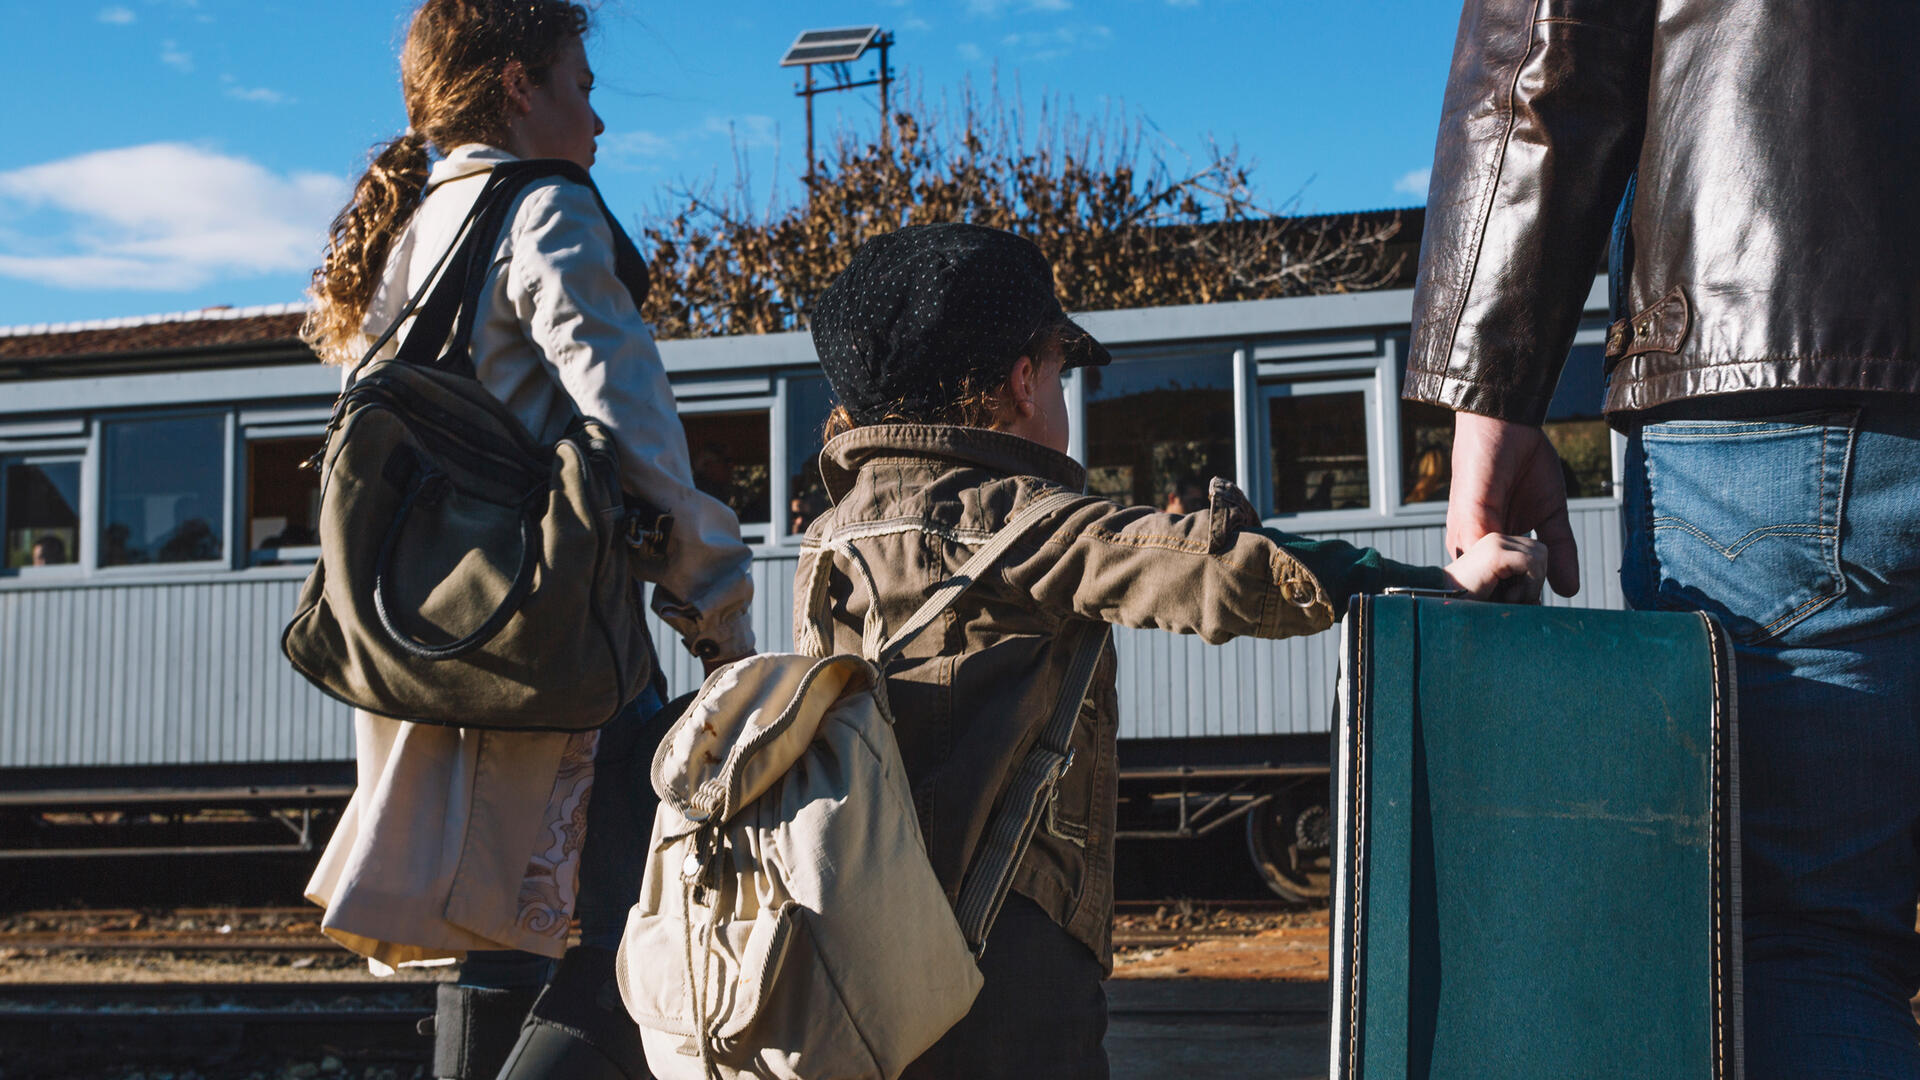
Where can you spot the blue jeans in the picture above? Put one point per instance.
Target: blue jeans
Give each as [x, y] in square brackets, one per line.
[1802, 534]
[613, 856]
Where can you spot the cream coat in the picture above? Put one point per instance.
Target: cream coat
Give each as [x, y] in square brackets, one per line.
[461, 839]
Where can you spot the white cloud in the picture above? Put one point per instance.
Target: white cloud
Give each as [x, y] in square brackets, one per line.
[116, 16]
[1414, 183]
[969, 51]
[994, 8]
[636, 149]
[1048, 44]
[172, 55]
[259, 95]
[164, 217]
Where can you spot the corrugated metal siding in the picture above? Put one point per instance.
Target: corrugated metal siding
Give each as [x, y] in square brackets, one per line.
[168, 674]
[158, 675]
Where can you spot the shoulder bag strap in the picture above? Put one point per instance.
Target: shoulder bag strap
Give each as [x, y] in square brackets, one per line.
[1010, 831]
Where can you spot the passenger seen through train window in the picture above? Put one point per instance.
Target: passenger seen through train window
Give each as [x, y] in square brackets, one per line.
[164, 490]
[1152, 422]
[42, 520]
[1318, 445]
[729, 455]
[809, 402]
[1574, 426]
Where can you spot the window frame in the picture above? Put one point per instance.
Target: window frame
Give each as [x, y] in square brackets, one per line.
[758, 533]
[52, 451]
[98, 494]
[262, 426]
[1324, 381]
[1079, 401]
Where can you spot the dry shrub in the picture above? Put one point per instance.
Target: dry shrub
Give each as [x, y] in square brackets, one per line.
[1123, 226]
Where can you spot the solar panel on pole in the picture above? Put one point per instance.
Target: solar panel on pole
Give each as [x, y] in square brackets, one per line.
[830, 46]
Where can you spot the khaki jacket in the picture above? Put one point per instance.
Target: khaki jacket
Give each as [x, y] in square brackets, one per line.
[911, 502]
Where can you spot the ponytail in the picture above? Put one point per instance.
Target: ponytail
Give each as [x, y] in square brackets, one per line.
[451, 68]
[357, 245]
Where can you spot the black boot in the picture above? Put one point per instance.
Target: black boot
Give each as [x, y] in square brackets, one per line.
[579, 1029]
[473, 1029]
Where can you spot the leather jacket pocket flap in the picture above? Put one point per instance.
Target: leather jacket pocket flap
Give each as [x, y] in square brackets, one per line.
[1660, 327]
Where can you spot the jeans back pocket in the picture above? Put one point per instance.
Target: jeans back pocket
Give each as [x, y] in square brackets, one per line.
[1745, 517]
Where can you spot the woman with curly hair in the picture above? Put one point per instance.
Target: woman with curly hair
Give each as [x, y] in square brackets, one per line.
[462, 843]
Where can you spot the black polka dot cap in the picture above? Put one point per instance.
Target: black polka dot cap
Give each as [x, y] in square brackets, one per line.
[919, 310]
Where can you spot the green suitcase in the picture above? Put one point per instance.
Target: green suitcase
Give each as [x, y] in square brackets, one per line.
[1537, 865]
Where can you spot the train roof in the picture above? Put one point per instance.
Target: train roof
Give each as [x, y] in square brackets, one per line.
[269, 334]
[251, 335]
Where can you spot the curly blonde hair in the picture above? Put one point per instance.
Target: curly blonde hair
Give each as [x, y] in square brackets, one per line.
[452, 71]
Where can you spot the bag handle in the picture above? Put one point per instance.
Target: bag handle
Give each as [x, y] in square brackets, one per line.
[384, 604]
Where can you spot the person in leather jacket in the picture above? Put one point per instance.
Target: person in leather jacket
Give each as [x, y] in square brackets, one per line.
[1752, 161]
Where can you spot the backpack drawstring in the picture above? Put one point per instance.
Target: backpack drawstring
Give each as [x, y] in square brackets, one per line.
[693, 871]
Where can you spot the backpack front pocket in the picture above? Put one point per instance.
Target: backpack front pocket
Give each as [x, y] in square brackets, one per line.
[731, 964]
[755, 1025]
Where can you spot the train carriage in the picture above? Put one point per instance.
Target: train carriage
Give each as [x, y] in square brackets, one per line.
[157, 528]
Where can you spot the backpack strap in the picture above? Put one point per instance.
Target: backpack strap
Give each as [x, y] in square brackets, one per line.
[448, 303]
[982, 563]
[1010, 831]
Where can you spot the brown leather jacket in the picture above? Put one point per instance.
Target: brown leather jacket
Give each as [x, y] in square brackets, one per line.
[1775, 235]
[970, 693]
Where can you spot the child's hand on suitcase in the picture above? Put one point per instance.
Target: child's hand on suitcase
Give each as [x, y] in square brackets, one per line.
[1505, 569]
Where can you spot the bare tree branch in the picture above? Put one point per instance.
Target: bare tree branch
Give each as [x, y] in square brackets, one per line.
[1100, 198]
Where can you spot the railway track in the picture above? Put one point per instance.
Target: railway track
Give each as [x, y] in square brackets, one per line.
[1139, 924]
[71, 1029]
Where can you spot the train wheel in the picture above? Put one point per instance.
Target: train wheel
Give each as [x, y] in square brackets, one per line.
[1290, 839]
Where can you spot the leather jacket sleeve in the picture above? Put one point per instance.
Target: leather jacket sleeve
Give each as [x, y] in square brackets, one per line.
[1215, 573]
[1540, 129]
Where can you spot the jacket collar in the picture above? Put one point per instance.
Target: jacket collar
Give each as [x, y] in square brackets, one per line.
[997, 451]
[466, 160]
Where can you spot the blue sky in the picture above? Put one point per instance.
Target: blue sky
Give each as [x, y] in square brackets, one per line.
[167, 155]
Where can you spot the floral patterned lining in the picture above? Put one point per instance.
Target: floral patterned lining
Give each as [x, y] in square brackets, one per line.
[551, 885]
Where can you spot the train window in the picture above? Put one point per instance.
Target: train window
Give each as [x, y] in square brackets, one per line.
[729, 453]
[42, 511]
[1426, 452]
[1318, 438]
[164, 490]
[283, 499]
[809, 401]
[1576, 427]
[1155, 427]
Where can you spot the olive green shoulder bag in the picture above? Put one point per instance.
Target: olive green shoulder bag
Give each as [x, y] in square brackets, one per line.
[470, 575]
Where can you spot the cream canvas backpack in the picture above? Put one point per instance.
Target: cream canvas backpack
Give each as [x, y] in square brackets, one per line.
[790, 925]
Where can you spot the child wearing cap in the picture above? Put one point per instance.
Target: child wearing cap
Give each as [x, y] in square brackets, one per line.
[945, 345]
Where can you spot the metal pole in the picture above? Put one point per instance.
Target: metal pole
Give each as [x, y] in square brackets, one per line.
[809, 96]
[886, 79]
